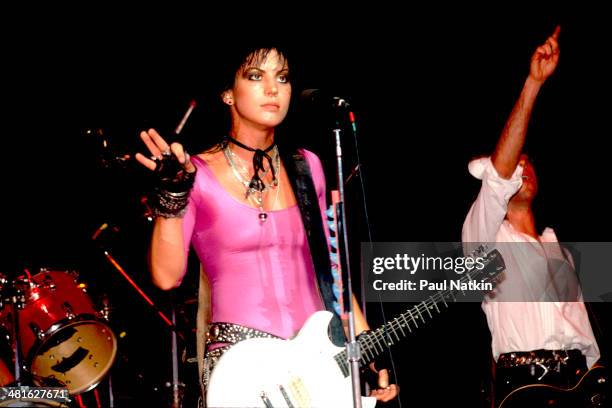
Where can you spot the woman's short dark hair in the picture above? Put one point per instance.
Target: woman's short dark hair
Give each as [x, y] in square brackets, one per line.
[244, 57]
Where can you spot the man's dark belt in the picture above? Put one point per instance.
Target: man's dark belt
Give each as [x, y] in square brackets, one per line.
[539, 357]
[559, 368]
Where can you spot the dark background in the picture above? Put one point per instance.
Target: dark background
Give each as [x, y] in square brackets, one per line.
[429, 91]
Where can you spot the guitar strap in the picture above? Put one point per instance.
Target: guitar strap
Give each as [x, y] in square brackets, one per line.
[300, 177]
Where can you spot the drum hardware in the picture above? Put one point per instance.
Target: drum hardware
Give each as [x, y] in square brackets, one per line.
[3, 282]
[107, 157]
[142, 294]
[176, 386]
[148, 210]
[36, 330]
[68, 310]
[48, 283]
[16, 298]
[106, 309]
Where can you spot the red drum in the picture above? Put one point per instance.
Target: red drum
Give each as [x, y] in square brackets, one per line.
[62, 337]
[6, 330]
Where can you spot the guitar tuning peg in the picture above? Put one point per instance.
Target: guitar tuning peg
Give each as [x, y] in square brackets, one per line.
[329, 212]
[333, 257]
[331, 225]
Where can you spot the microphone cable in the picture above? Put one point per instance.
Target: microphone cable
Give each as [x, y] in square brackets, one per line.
[358, 171]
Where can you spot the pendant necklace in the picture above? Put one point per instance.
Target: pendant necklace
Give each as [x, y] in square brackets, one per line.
[255, 191]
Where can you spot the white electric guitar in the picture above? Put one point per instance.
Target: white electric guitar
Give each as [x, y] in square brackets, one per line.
[308, 370]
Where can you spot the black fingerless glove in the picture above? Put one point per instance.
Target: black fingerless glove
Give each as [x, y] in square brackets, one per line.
[172, 186]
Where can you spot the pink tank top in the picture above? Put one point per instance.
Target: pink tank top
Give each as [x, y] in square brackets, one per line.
[261, 273]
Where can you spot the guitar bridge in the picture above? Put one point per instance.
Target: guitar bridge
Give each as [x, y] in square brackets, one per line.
[266, 400]
[286, 396]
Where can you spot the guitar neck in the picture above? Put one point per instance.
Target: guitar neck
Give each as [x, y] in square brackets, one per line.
[374, 343]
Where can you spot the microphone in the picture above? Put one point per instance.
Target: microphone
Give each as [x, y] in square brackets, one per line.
[320, 96]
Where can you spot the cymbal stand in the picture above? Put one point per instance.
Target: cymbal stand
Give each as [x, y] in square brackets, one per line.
[18, 298]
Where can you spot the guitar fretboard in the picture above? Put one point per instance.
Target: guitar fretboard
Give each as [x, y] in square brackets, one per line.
[374, 343]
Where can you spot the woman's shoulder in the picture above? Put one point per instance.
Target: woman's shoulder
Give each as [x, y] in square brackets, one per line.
[208, 158]
[205, 163]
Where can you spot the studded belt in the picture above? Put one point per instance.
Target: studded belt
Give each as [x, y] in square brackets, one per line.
[539, 357]
[231, 333]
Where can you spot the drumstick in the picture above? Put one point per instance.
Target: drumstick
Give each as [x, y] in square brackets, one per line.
[179, 128]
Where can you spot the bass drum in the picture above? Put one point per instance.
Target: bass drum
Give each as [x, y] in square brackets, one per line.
[63, 340]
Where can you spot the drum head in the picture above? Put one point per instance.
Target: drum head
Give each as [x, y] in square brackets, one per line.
[78, 354]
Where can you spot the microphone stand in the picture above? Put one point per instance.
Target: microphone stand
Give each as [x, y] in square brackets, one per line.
[176, 384]
[353, 351]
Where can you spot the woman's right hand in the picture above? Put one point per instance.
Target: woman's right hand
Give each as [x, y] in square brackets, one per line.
[158, 146]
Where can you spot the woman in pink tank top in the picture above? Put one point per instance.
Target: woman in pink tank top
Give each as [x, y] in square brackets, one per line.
[235, 205]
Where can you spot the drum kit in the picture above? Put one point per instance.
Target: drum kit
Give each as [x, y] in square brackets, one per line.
[52, 335]
[57, 337]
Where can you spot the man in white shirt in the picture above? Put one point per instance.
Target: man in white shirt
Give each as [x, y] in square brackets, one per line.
[537, 335]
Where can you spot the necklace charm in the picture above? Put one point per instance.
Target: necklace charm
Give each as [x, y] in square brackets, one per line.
[263, 216]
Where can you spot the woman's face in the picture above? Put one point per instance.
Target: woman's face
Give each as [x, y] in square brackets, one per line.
[261, 93]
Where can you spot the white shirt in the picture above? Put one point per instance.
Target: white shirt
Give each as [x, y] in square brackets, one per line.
[526, 325]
